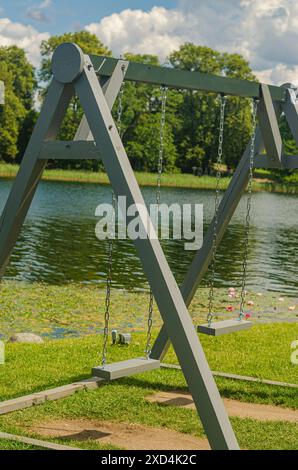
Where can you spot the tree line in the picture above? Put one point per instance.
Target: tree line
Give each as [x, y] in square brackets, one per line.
[192, 117]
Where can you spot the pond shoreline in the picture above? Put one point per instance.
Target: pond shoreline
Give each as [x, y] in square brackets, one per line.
[170, 180]
[72, 310]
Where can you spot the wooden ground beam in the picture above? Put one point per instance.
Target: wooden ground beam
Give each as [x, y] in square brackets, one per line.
[35, 442]
[37, 398]
[92, 383]
[244, 378]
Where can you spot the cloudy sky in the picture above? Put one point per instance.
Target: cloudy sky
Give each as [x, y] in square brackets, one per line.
[264, 31]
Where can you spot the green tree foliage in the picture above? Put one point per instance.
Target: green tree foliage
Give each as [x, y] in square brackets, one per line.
[143, 147]
[20, 84]
[197, 137]
[141, 121]
[23, 74]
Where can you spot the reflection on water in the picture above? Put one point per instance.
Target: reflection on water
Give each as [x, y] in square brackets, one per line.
[58, 244]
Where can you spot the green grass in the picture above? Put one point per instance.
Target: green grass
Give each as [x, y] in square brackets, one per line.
[36, 367]
[263, 352]
[265, 181]
[11, 445]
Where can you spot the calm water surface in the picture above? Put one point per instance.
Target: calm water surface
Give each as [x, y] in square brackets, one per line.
[58, 244]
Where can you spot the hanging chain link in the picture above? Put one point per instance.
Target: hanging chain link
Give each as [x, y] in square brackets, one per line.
[120, 110]
[164, 95]
[111, 246]
[248, 206]
[216, 206]
[108, 287]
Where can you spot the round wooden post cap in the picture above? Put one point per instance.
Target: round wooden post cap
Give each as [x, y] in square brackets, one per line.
[67, 62]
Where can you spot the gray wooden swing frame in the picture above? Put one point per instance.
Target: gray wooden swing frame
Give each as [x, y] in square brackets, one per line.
[97, 81]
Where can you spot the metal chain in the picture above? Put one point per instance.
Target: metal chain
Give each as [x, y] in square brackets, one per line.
[216, 207]
[111, 246]
[120, 110]
[164, 95]
[108, 288]
[248, 206]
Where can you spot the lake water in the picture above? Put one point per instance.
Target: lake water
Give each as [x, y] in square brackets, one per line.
[58, 243]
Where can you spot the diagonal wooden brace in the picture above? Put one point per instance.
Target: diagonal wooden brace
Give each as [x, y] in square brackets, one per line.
[269, 125]
[110, 88]
[290, 108]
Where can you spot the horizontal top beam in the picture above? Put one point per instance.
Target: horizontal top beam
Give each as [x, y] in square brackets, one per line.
[174, 78]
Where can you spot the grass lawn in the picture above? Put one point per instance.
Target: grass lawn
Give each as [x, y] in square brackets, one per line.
[265, 181]
[264, 351]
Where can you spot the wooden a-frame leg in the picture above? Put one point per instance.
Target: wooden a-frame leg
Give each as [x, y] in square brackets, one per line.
[164, 287]
[31, 168]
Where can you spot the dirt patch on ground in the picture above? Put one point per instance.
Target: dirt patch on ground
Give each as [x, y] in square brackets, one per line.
[127, 436]
[233, 407]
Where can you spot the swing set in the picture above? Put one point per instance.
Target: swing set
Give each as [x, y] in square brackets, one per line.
[97, 81]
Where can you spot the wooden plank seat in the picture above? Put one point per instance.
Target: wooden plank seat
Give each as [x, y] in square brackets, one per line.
[125, 368]
[224, 327]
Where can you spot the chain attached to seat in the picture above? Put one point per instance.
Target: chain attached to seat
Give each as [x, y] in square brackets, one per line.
[111, 245]
[216, 207]
[216, 210]
[248, 207]
[164, 95]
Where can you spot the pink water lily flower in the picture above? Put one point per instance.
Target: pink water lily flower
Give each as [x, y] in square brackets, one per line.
[230, 308]
[247, 316]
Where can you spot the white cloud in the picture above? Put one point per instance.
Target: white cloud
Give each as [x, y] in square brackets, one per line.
[37, 12]
[157, 31]
[24, 36]
[264, 31]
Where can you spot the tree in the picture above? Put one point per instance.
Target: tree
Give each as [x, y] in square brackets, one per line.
[23, 78]
[12, 115]
[141, 121]
[143, 147]
[17, 117]
[197, 138]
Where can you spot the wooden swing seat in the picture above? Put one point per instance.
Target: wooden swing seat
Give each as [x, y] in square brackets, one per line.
[125, 368]
[224, 327]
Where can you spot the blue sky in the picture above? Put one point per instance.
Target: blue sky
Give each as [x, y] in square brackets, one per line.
[265, 32]
[70, 15]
